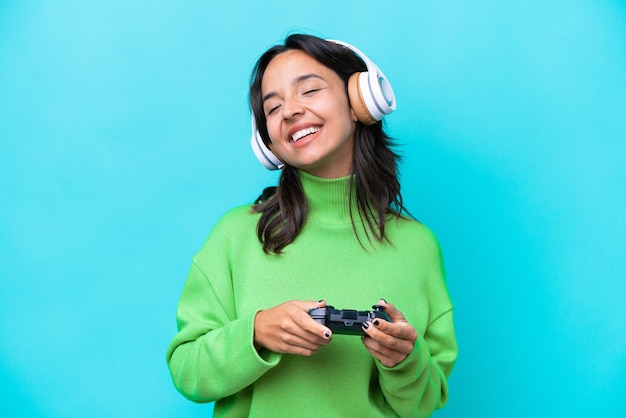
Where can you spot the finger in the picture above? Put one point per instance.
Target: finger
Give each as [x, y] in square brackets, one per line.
[315, 332]
[310, 304]
[295, 326]
[377, 349]
[306, 327]
[404, 329]
[289, 337]
[394, 314]
[295, 344]
[400, 329]
[395, 337]
[387, 357]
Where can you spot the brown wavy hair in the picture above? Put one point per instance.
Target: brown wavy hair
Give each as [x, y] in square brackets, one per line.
[374, 185]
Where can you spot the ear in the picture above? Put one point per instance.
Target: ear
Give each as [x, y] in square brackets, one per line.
[353, 115]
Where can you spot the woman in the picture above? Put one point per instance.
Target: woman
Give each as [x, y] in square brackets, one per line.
[333, 229]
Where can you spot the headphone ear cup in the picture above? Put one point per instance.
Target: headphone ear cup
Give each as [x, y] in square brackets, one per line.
[262, 152]
[357, 102]
[380, 93]
[371, 95]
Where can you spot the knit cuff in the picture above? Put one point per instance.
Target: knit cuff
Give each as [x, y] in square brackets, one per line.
[410, 366]
[263, 356]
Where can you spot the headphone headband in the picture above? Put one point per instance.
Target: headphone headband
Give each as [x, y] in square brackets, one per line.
[373, 86]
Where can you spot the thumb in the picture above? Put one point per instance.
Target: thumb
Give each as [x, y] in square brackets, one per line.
[394, 314]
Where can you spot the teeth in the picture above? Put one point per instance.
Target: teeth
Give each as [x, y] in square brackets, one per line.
[304, 132]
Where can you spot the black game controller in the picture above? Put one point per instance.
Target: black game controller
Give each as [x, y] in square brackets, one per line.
[347, 321]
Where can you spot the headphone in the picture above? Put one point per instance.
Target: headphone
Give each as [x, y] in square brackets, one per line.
[371, 98]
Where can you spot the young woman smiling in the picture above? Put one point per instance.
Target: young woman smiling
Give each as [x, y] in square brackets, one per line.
[334, 229]
[308, 116]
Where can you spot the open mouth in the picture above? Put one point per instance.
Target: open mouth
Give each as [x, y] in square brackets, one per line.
[304, 132]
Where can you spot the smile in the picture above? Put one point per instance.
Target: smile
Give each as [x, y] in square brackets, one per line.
[304, 132]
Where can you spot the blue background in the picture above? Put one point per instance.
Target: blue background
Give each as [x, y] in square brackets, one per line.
[124, 135]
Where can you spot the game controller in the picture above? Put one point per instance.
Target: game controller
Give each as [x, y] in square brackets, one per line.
[347, 321]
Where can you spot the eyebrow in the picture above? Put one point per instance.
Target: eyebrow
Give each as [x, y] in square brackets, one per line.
[296, 80]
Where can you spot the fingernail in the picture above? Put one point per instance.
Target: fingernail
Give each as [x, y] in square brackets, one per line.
[376, 322]
[321, 300]
[366, 325]
[327, 334]
[384, 300]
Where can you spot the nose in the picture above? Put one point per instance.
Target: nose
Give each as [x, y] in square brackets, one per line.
[292, 108]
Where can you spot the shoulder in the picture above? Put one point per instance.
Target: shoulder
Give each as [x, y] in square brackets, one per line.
[232, 225]
[415, 237]
[239, 218]
[414, 230]
[234, 230]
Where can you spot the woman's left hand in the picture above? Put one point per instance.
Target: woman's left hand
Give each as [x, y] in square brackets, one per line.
[390, 342]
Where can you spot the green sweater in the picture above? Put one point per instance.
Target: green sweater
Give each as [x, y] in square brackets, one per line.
[213, 358]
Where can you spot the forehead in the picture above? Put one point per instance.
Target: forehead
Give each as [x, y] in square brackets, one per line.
[287, 66]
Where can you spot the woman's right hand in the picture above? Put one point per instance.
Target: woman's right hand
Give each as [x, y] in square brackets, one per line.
[288, 328]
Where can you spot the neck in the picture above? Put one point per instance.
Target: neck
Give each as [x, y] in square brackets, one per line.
[328, 199]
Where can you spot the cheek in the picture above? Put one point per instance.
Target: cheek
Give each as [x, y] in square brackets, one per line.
[349, 123]
[273, 129]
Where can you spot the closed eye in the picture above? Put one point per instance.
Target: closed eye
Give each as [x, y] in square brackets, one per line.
[272, 110]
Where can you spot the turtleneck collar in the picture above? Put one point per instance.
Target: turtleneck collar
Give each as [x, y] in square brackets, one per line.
[328, 199]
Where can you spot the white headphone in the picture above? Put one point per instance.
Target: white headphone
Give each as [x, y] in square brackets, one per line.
[371, 98]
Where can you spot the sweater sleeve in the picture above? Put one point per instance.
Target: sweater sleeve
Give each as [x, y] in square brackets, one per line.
[213, 356]
[418, 386]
